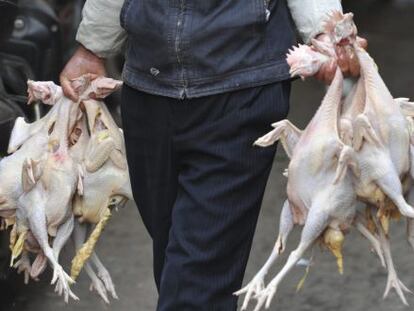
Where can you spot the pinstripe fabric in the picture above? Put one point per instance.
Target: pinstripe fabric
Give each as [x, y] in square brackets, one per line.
[198, 183]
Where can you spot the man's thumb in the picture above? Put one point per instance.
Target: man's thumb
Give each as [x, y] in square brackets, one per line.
[67, 89]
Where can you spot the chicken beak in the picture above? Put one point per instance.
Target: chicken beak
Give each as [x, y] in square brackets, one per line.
[334, 240]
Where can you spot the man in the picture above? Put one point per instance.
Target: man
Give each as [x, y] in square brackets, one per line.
[203, 79]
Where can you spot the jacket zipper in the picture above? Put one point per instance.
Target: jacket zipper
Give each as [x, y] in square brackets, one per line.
[267, 11]
[177, 45]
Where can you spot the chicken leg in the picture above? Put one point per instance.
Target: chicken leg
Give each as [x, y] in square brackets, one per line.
[256, 285]
[102, 282]
[63, 234]
[373, 239]
[392, 281]
[23, 265]
[37, 222]
[316, 223]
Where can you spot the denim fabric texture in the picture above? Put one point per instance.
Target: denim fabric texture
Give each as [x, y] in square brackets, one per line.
[182, 48]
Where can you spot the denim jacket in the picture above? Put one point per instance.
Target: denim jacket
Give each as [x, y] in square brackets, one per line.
[193, 48]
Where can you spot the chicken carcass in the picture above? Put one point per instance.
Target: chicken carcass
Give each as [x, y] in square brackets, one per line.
[382, 168]
[47, 200]
[44, 182]
[320, 190]
[376, 128]
[101, 281]
[381, 139]
[38, 133]
[106, 185]
[380, 123]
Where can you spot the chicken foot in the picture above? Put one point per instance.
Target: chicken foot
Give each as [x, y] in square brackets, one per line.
[37, 222]
[256, 285]
[63, 234]
[392, 281]
[102, 282]
[104, 275]
[23, 265]
[316, 223]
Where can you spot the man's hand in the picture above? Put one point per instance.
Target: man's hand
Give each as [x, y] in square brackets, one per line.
[82, 62]
[346, 60]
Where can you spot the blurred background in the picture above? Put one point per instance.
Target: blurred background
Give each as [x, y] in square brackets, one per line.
[42, 39]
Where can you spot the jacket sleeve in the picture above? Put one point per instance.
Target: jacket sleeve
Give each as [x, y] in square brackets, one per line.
[309, 15]
[100, 30]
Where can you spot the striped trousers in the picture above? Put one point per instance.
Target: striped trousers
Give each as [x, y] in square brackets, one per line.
[198, 183]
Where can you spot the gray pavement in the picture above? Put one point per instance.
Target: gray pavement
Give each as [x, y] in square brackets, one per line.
[125, 246]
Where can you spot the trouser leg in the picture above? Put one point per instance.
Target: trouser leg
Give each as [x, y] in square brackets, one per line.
[152, 164]
[222, 178]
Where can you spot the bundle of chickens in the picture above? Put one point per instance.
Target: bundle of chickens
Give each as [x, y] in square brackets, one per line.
[64, 175]
[351, 167]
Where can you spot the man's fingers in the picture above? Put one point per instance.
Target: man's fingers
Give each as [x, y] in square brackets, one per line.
[67, 88]
[88, 76]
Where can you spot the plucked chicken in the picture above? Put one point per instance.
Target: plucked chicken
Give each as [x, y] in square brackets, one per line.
[52, 182]
[354, 149]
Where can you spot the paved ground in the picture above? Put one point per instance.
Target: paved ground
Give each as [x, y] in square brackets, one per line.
[125, 246]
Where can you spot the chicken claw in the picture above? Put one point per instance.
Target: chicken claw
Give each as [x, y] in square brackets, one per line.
[253, 289]
[394, 282]
[23, 265]
[256, 285]
[63, 282]
[105, 276]
[99, 287]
